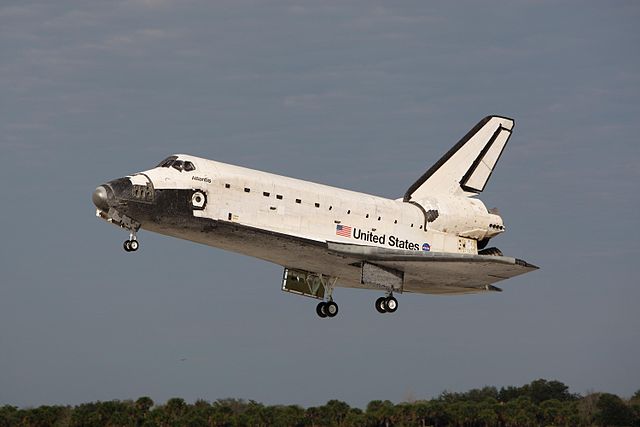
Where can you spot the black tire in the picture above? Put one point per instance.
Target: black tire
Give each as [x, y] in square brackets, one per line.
[390, 304]
[320, 310]
[134, 245]
[331, 309]
[126, 245]
[380, 305]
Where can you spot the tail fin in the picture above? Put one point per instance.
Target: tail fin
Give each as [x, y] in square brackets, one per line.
[466, 168]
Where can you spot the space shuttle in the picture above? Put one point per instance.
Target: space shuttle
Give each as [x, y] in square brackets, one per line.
[432, 240]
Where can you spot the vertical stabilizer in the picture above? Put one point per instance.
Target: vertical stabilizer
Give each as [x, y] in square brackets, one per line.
[466, 168]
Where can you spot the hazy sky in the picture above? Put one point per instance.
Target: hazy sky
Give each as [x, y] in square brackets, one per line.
[360, 94]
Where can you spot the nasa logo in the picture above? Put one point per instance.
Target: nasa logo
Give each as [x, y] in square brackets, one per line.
[426, 247]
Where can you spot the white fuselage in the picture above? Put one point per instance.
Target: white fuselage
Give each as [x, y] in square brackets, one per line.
[315, 212]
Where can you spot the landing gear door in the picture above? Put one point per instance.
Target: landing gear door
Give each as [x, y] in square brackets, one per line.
[304, 283]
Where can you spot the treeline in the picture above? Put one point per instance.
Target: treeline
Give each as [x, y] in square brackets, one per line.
[540, 403]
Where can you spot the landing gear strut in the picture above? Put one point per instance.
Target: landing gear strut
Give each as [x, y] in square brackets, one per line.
[132, 244]
[386, 304]
[328, 308]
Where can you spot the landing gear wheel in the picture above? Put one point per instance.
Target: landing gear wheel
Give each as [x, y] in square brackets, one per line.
[390, 304]
[380, 305]
[331, 309]
[321, 310]
[131, 245]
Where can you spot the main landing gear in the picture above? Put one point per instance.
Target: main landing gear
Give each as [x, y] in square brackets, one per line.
[132, 244]
[386, 304]
[327, 309]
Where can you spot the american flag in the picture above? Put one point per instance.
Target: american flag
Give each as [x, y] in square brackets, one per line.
[343, 230]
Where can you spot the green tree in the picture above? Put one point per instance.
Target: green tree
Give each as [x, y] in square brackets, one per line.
[475, 395]
[175, 407]
[509, 393]
[488, 412]
[86, 415]
[438, 414]
[421, 411]
[8, 415]
[634, 404]
[406, 414]
[158, 416]
[462, 413]
[612, 411]
[382, 412]
[144, 404]
[538, 391]
[290, 415]
[200, 412]
[193, 420]
[541, 390]
[117, 413]
[570, 415]
[335, 411]
[223, 412]
[355, 418]
[521, 407]
[482, 394]
[313, 416]
[252, 415]
[520, 412]
[587, 408]
[45, 416]
[550, 412]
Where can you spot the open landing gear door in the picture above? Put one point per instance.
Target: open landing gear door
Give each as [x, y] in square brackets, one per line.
[308, 284]
[382, 277]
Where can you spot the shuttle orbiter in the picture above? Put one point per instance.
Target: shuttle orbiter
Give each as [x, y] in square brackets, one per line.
[432, 240]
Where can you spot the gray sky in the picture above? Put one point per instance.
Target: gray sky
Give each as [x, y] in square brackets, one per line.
[360, 94]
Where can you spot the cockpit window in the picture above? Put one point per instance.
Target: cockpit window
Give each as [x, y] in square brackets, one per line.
[181, 165]
[166, 162]
[177, 164]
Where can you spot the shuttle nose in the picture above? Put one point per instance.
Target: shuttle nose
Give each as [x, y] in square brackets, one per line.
[99, 198]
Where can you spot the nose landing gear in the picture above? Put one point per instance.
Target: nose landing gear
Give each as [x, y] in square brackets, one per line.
[123, 221]
[132, 244]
